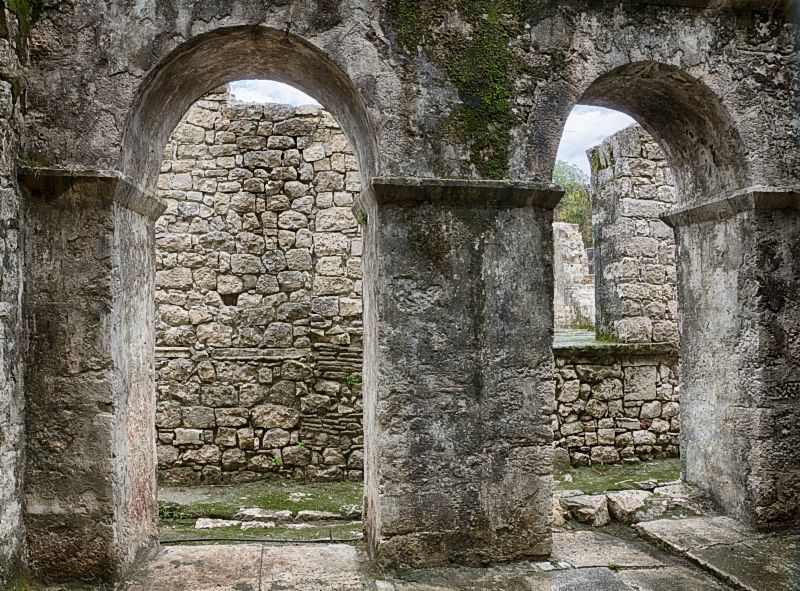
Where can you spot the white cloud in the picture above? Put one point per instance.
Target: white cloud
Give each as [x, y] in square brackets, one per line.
[267, 91]
[586, 127]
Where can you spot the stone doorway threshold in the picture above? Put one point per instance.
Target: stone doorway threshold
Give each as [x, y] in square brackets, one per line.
[581, 561]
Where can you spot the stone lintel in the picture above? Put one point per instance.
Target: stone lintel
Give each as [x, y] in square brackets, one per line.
[465, 192]
[756, 198]
[108, 185]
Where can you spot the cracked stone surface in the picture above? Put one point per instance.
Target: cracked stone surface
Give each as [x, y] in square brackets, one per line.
[582, 561]
[746, 558]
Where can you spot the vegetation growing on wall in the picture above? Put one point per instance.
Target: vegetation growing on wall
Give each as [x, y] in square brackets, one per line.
[27, 13]
[575, 207]
[469, 39]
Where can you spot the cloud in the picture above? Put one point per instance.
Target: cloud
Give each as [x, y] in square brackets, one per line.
[267, 91]
[586, 127]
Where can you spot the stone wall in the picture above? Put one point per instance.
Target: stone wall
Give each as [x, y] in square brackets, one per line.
[631, 186]
[258, 295]
[616, 403]
[11, 398]
[573, 291]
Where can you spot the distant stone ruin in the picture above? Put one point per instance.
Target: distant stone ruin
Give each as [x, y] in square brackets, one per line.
[573, 297]
[634, 256]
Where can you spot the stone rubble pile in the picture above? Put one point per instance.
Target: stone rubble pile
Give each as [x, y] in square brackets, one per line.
[629, 506]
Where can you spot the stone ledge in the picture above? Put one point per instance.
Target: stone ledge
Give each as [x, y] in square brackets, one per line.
[235, 353]
[599, 349]
[465, 192]
[757, 198]
[111, 186]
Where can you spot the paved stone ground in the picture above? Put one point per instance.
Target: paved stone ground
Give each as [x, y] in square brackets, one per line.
[748, 559]
[582, 561]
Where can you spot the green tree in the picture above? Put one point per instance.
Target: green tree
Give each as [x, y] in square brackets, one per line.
[575, 207]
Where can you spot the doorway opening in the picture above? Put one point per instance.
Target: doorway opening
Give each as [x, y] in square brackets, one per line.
[259, 321]
[615, 300]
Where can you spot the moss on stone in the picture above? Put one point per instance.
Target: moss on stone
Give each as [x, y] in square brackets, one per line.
[179, 530]
[27, 13]
[478, 60]
[594, 160]
[223, 501]
[604, 477]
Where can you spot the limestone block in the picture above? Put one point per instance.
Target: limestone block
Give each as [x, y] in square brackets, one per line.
[273, 416]
[603, 454]
[589, 509]
[177, 278]
[650, 410]
[622, 505]
[569, 391]
[296, 455]
[263, 159]
[335, 219]
[275, 438]
[241, 264]
[325, 306]
[328, 181]
[640, 383]
[669, 410]
[350, 307]
[198, 417]
[233, 459]
[299, 259]
[644, 438]
[328, 244]
[232, 417]
[188, 436]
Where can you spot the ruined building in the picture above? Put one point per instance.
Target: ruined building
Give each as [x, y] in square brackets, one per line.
[454, 118]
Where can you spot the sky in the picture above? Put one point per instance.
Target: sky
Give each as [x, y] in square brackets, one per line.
[585, 127]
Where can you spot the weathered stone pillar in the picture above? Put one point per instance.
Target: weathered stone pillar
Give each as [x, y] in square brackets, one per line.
[458, 383]
[739, 286]
[88, 310]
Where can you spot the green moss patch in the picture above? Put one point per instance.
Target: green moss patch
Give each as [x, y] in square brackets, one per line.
[182, 530]
[27, 13]
[223, 501]
[601, 478]
[469, 40]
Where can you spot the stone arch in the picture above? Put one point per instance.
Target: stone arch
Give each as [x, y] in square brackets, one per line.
[685, 117]
[229, 54]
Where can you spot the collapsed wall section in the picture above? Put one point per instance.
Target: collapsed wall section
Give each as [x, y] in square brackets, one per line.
[258, 296]
[616, 403]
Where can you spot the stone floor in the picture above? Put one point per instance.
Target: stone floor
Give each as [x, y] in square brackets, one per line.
[749, 560]
[581, 561]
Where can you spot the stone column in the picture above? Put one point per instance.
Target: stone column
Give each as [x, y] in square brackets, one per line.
[88, 310]
[458, 380]
[739, 280]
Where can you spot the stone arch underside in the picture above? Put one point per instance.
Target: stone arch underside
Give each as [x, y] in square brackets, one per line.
[230, 54]
[685, 117]
[727, 329]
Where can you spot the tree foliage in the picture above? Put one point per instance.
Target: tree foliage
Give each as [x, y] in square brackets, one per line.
[575, 207]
